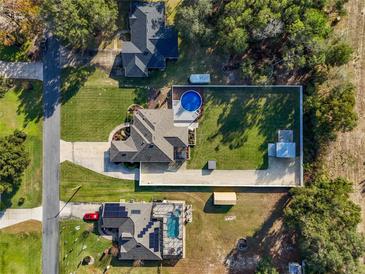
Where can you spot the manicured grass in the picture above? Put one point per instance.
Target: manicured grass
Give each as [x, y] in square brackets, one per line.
[97, 187]
[21, 252]
[238, 123]
[209, 238]
[77, 244]
[93, 104]
[21, 108]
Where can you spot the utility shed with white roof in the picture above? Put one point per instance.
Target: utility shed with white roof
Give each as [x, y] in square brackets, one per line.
[225, 198]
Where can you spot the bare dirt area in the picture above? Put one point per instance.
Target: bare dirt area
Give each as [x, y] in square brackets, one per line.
[346, 156]
[213, 236]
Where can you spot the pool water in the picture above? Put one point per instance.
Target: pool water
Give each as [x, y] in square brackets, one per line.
[173, 225]
[191, 100]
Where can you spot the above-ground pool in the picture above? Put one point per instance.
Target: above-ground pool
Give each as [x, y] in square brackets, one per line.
[173, 225]
[191, 100]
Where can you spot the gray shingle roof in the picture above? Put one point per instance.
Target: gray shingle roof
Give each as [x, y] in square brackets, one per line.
[153, 138]
[151, 41]
[131, 246]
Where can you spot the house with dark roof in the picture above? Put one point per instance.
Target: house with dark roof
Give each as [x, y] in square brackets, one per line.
[145, 231]
[152, 42]
[153, 138]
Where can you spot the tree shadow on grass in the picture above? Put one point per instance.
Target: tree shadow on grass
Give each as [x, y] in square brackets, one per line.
[141, 96]
[73, 79]
[6, 197]
[30, 94]
[271, 240]
[267, 109]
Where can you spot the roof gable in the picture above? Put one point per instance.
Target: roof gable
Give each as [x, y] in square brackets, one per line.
[154, 135]
[151, 42]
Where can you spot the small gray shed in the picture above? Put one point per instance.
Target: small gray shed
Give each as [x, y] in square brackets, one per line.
[212, 164]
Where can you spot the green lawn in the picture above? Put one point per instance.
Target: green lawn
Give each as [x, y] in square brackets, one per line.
[21, 108]
[93, 104]
[77, 244]
[97, 187]
[20, 252]
[238, 123]
[209, 238]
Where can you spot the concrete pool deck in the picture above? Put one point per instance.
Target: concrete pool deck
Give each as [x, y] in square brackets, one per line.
[281, 173]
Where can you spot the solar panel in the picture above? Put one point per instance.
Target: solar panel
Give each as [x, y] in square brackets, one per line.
[135, 211]
[114, 211]
[157, 239]
[152, 240]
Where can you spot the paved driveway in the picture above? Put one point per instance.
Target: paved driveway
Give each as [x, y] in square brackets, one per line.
[95, 156]
[21, 70]
[11, 217]
[281, 173]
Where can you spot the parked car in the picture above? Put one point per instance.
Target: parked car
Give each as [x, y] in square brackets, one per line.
[91, 216]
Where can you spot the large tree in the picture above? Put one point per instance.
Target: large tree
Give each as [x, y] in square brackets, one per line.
[19, 20]
[14, 159]
[265, 266]
[325, 220]
[77, 22]
[285, 33]
[191, 20]
[332, 110]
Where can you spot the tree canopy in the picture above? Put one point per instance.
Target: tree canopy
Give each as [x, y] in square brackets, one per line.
[325, 220]
[265, 266]
[332, 110]
[281, 42]
[77, 22]
[191, 20]
[19, 21]
[14, 159]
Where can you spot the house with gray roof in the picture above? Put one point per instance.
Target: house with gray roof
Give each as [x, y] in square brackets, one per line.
[153, 138]
[145, 231]
[152, 42]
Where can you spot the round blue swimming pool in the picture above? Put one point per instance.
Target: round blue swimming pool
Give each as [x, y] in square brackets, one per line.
[191, 100]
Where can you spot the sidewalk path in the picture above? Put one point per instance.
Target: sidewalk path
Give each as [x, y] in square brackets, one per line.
[21, 70]
[11, 216]
[95, 156]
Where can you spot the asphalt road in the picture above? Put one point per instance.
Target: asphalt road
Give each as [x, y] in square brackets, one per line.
[51, 156]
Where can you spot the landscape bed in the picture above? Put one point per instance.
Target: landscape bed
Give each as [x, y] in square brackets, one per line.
[238, 122]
